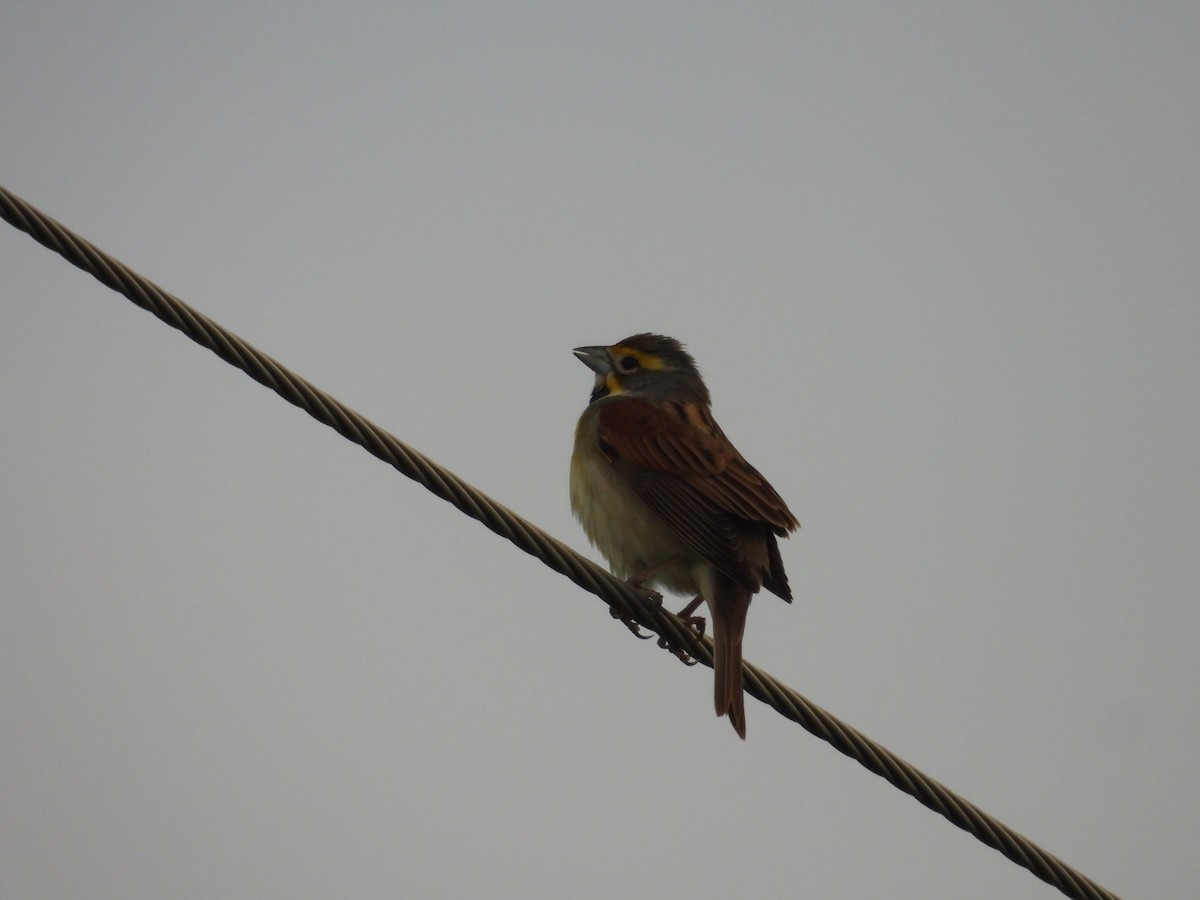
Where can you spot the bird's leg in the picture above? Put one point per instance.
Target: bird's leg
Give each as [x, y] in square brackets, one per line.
[651, 596]
[636, 582]
[696, 623]
[645, 575]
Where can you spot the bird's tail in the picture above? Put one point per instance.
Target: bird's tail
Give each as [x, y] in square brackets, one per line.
[728, 607]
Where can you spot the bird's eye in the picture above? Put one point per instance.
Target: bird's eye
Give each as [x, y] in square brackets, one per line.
[627, 364]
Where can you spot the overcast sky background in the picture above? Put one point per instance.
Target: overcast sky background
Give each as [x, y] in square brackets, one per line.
[940, 264]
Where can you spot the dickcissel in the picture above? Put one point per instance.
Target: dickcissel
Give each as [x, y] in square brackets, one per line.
[669, 501]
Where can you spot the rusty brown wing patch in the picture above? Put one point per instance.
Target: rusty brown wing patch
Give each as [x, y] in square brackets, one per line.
[679, 462]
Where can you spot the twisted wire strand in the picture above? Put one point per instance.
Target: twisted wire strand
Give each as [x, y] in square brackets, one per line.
[624, 600]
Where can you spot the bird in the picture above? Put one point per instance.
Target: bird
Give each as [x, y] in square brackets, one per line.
[668, 500]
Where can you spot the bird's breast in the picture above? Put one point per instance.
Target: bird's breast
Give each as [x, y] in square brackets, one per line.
[623, 528]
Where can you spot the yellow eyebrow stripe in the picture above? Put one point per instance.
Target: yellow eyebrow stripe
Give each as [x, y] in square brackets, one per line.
[645, 360]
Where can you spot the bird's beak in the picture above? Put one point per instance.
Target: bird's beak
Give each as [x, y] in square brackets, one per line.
[595, 358]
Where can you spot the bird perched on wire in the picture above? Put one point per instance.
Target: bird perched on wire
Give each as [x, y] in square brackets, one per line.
[669, 501]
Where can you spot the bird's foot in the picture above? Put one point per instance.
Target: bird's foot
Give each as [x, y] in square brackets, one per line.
[695, 623]
[628, 621]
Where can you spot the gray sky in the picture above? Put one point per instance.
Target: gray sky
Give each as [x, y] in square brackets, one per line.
[940, 266]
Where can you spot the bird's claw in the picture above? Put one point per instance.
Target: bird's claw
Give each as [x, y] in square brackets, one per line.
[651, 597]
[678, 652]
[629, 623]
[696, 623]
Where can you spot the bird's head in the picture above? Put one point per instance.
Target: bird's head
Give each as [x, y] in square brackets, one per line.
[650, 366]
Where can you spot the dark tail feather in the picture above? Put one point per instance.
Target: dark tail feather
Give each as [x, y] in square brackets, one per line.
[728, 610]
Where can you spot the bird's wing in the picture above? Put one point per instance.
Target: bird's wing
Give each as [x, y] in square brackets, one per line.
[677, 459]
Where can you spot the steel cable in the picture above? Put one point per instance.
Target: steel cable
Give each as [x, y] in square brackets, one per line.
[624, 600]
